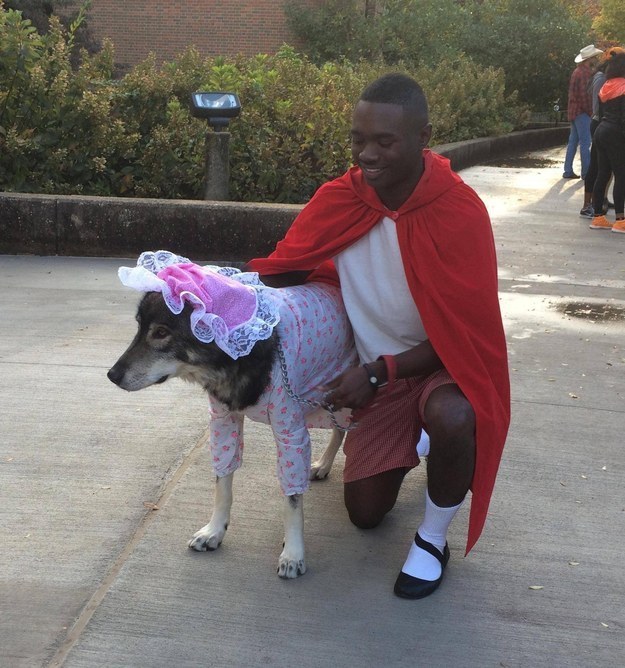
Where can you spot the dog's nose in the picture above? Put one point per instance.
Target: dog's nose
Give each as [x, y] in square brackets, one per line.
[115, 374]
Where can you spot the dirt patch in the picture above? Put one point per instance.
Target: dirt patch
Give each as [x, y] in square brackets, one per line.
[523, 162]
[592, 312]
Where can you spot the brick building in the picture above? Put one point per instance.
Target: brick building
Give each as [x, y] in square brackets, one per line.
[215, 27]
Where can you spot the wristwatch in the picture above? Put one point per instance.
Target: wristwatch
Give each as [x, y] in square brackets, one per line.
[374, 381]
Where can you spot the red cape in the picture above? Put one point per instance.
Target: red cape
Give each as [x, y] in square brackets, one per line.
[448, 253]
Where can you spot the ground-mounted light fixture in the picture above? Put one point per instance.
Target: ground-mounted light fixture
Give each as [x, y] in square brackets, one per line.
[218, 108]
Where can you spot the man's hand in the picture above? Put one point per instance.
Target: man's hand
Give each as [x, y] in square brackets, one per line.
[285, 280]
[351, 389]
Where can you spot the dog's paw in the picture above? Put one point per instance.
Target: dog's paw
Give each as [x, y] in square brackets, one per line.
[290, 568]
[319, 470]
[208, 538]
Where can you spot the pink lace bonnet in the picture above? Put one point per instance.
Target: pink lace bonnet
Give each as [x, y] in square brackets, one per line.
[232, 308]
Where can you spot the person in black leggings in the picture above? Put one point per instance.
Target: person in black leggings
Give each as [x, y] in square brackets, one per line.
[609, 141]
[597, 82]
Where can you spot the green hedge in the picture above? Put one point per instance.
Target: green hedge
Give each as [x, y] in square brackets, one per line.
[78, 131]
[533, 41]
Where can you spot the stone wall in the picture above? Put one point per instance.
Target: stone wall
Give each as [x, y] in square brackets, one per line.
[220, 231]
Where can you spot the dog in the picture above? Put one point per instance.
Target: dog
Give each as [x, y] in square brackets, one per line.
[259, 384]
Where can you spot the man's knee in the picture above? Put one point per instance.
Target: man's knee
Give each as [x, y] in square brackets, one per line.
[364, 518]
[365, 511]
[368, 500]
[449, 414]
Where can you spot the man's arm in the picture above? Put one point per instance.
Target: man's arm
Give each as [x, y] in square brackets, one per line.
[352, 388]
[282, 280]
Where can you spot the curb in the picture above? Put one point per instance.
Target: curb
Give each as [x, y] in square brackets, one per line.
[223, 231]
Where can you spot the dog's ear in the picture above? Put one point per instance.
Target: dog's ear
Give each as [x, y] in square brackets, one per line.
[153, 309]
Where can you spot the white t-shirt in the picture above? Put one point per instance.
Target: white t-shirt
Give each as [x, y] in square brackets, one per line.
[380, 307]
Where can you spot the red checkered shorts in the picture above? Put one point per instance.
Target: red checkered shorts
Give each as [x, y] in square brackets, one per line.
[386, 436]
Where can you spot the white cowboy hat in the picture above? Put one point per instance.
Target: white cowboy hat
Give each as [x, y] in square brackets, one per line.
[590, 51]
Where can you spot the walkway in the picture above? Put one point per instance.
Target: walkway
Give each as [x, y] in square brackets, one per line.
[100, 490]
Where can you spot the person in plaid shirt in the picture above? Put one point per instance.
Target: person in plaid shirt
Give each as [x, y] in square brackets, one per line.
[580, 110]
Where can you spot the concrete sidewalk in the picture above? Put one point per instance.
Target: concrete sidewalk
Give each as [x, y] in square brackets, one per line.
[100, 490]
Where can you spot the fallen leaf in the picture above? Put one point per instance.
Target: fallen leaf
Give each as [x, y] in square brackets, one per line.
[536, 587]
[150, 506]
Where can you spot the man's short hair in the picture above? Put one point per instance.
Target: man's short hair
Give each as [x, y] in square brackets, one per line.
[398, 89]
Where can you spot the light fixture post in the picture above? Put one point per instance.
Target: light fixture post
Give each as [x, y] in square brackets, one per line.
[217, 108]
[217, 171]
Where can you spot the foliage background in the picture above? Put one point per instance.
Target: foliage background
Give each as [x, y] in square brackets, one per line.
[69, 125]
[534, 41]
[610, 23]
[76, 130]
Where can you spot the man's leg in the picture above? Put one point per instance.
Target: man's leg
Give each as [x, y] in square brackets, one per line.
[591, 174]
[582, 123]
[450, 423]
[571, 150]
[380, 451]
[369, 499]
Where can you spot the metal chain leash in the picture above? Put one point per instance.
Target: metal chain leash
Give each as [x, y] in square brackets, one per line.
[307, 402]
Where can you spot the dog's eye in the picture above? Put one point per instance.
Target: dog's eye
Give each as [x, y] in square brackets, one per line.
[160, 332]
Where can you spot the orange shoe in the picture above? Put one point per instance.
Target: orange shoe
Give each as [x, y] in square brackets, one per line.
[619, 226]
[600, 223]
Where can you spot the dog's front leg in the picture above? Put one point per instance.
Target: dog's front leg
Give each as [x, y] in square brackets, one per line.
[209, 537]
[292, 563]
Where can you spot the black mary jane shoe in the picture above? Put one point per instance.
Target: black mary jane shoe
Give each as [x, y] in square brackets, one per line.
[407, 586]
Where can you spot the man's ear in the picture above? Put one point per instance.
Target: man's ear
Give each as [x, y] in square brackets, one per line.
[425, 135]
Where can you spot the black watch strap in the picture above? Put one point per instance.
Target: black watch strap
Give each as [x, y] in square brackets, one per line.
[374, 381]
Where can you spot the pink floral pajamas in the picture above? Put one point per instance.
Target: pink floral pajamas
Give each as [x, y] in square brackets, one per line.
[317, 341]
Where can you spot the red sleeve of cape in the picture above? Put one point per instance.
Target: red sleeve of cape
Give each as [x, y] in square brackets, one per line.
[448, 254]
[333, 219]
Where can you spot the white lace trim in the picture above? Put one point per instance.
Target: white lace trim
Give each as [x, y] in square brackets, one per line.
[207, 327]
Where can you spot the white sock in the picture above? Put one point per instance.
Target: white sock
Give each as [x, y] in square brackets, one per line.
[419, 563]
[423, 446]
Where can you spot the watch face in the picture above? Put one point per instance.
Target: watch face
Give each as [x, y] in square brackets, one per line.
[372, 377]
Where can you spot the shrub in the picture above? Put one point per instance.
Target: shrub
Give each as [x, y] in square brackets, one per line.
[610, 24]
[74, 130]
[393, 31]
[533, 41]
